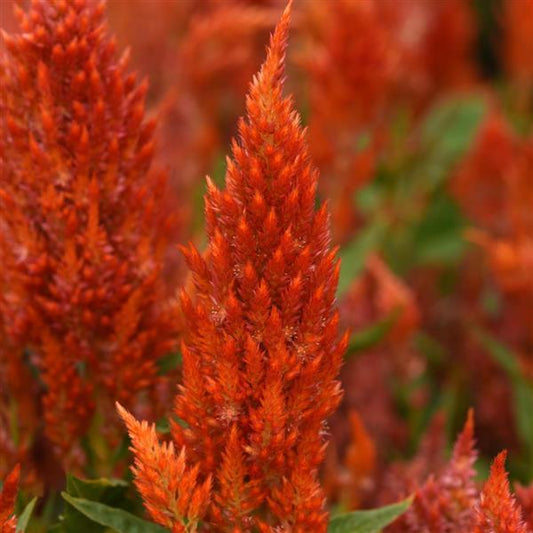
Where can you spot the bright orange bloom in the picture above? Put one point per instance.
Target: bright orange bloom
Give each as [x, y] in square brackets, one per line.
[498, 511]
[262, 352]
[169, 487]
[85, 226]
[8, 522]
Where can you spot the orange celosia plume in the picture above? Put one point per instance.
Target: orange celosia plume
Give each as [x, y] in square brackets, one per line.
[169, 487]
[498, 511]
[8, 521]
[85, 226]
[262, 352]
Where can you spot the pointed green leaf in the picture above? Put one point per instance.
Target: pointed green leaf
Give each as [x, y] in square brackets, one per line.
[24, 518]
[354, 254]
[107, 491]
[522, 388]
[372, 521]
[117, 519]
[373, 334]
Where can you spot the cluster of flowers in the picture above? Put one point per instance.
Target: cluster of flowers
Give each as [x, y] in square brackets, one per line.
[89, 214]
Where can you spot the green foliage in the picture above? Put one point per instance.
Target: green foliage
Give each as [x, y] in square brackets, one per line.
[373, 334]
[108, 492]
[24, 518]
[103, 516]
[447, 133]
[354, 255]
[372, 521]
[522, 389]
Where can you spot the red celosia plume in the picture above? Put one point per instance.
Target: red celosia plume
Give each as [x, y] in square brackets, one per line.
[498, 511]
[8, 521]
[262, 353]
[445, 501]
[85, 226]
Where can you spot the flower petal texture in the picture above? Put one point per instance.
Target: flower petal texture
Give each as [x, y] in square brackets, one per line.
[82, 240]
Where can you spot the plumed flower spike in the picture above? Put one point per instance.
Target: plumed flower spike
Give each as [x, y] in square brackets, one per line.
[86, 224]
[498, 511]
[171, 491]
[445, 501]
[8, 521]
[261, 353]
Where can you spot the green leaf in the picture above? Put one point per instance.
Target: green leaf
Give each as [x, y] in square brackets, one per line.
[168, 363]
[438, 238]
[373, 334]
[117, 519]
[96, 489]
[24, 518]
[106, 491]
[353, 256]
[447, 133]
[522, 388]
[372, 521]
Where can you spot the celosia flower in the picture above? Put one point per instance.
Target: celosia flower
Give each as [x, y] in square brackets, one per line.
[378, 296]
[262, 353]
[524, 495]
[8, 522]
[445, 501]
[498, 511]
[517, 27]
[84, 224]
[479, 182]
[169, 487]
[360, 462]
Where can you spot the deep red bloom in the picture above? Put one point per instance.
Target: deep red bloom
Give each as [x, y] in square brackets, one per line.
[444, 502]
[518, 26]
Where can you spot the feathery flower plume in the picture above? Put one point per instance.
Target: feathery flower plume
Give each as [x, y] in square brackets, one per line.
[261, 355]
[8, 522]
[84, 226]
[262, 352]
[445, 501]
[170, 489]
[498, 511]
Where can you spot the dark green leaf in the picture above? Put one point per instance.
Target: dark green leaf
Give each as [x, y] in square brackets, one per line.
[448, 132]
[107, 491]
[116, 519]
[522, 388]
[353, 256]
[373, 334]
[438, 238]
[24, 518]
[372, 521]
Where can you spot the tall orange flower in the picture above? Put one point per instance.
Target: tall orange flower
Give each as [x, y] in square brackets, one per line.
[498, 511]
[84, 224]
[8, 521]
[262, 352]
